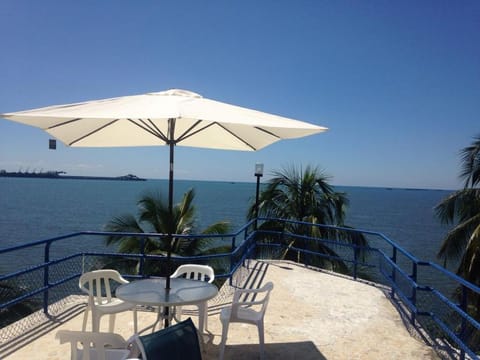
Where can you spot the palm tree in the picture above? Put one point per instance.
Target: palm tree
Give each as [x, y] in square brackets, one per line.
[462, 209]
[306, 196]
[462, 243]
[154, 217]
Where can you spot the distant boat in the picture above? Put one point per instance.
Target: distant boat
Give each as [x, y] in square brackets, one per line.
[130, 177]
[61, 175]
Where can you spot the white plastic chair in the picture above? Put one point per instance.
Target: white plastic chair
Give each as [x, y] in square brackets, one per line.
[248, 306]
[100, 346]
[100, 299]
[195, 272]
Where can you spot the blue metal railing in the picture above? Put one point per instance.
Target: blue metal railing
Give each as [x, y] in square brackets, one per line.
[441, 314]
[445, 318]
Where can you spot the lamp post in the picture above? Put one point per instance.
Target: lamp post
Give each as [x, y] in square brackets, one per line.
[258, 174]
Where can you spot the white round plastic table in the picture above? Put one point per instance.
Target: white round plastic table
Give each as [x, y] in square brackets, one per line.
[152, 292]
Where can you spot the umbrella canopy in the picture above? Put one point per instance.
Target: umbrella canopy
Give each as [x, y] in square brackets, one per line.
[172, 117]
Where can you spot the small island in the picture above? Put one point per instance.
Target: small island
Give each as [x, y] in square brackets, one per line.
[62, 175]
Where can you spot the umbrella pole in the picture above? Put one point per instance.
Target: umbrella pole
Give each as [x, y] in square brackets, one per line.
[171, 143]
[170, 211]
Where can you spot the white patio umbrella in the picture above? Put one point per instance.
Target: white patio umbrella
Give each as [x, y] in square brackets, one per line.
[172, 117]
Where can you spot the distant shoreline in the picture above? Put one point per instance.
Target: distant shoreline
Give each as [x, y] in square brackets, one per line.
[61, 175]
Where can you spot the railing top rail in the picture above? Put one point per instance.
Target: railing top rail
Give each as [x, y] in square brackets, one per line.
[240, 231]
[363, 231]
[411, 257]
[110, 233]
[454, 276]
[40, 242]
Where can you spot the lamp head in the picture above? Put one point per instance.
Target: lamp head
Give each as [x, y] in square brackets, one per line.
[258, 169]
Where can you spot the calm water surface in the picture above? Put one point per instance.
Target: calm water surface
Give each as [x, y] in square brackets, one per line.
[35, 209]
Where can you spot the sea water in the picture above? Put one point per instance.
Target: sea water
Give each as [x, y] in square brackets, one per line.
[36, 209]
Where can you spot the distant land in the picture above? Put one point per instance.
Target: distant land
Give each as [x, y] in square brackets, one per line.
[62, 175]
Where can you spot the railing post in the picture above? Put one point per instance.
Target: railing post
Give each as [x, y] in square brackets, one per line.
[414, 291]
[46, 282]
[463, 326]
[356, 250]
[141, 268]
[394, 274]
[231, 259]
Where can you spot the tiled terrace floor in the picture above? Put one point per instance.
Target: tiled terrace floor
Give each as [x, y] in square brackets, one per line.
[311, 315]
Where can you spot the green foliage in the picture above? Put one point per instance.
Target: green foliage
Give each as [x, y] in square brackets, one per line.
[471, 163]
[462, 209]
[153, 217]
[306, 196]
[462, 243]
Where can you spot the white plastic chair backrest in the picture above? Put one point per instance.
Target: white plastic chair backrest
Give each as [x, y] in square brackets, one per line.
[97, 284]
[195, 272]
[102, 346]
[253, 299]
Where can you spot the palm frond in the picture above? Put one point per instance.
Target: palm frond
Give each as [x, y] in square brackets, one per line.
[221, 227]
[124, 223]
[469, 267]
[446, 211]
[153, 211]
[459, 206]
[470, 156]
[184, 214]
[455, 243]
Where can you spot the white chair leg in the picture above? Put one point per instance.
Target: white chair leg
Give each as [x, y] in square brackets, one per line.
[202, 315]
[224, 340]
[135, 325]
[73, 351]
[205, 316]
[261, 340]
[85, 318]
[177, 313]
[95, 322]
[201, 341]
[111, 323]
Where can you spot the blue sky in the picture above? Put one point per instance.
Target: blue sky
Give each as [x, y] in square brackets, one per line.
[396, 82]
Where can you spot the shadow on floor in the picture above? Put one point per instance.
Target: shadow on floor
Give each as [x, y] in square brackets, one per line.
[40, 329]
[304, 350]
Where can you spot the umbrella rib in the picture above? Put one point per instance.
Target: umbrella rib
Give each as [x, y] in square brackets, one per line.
[187, 133]
[63, 123]
[92, 132]
[236, 136]
[268, 132]
[150, 128]
[159, 132]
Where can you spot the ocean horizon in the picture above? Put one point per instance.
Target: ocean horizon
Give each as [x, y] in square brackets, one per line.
[36, 208]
